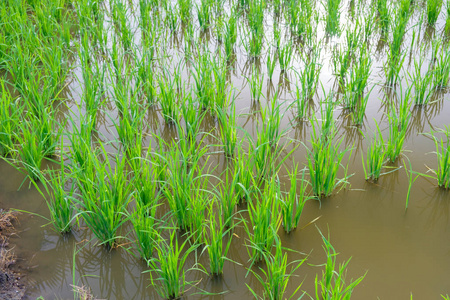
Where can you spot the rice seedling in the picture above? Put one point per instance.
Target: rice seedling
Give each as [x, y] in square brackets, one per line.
[228, 196]
[411, 180]
[292, 204]
[203, 77]
[167, 273]
[277, 275]
[59, 201]
[10, 116]
[246, 181]
[375, 157]
[230, 35]
[332, 283]
[255, 82]
[204, 13]
[384, 15]
[441, 70]
[271, 63]
[333, 8]
[422, 84]
[325, 159]
[145, 225]
[192, 116]
[285, 56]
[342, 59]
[443, 158]
[168, 98]
[433, 10]
[171, 16]
[215, 244]
[219, 70]
[309, 77]
[447, 20]
[356, 82]
[185, 10]
[397, 132]
[105, 195]
[263, 221]
[301, 17]
[228, 130]
[255, 32]
[145, 75]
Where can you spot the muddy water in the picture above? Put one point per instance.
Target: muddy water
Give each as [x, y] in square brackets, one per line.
[404, 252]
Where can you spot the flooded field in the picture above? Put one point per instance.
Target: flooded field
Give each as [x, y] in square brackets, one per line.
[155, 123]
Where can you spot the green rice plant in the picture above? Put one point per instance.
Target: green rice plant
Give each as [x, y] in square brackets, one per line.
[368, 21]
[105, 194]
[192, 116]
[122, 20]
[55, 63]
[446, 297]
[221, 84]
[145, 224]
[203, 76]
[384, 15]
[301, 17]
[204, 13]
[168, 98]
[332, 284]
[324, 160]
[411, 180]
[293, 202]
[332, 19]
[398, 121]
[271, 62]
[230, 35]
[185, 10]
[145, 75]
[441, 70]
[228, 196]
[59, 200]
[433, 10]
[375, 157]
[10, 118]
[342, 59]
[309, 77]
[392, 67]
[215, 245]
[443, 158]
[356, 82]
[398, 28]
[255, 82]
[185, 186]
[263, 221]
[246, 181]
[285, 56]
[171, 16]
[228, 129]
[447, 20]
[422, 84]
[167, 269]
[277, 275]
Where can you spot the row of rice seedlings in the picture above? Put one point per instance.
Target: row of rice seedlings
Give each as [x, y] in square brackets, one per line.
[332, 283]
[277, 275]
[263, 221]
[105, 195]
[293, 203]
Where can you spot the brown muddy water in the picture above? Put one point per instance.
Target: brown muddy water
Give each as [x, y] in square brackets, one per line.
[404, 252]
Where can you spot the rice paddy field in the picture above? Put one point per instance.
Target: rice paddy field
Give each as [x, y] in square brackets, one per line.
[227, 149]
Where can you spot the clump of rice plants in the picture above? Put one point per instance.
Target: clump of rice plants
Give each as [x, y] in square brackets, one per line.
[375, 157]
[325, 158]
[433, 10]
[422, 84]
[215, 244]
[263, 221]
[292, 204]
[255, 82]
[332, 19]
[168, 98]
[10, 113]
[332, 283]
[228, 130]
[441, 69]
[443, 158]
[104, 197]
[277, 275]
[285, 56]
[167, 273]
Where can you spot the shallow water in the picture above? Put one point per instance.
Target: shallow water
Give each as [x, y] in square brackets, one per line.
[404, 252]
